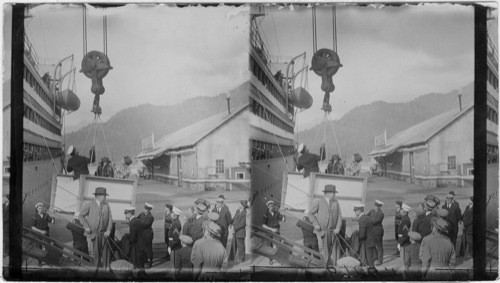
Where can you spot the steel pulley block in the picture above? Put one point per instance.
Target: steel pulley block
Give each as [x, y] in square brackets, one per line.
[326, 63]
[95, 65]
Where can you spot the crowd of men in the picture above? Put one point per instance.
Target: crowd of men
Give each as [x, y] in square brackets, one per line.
[196, 247]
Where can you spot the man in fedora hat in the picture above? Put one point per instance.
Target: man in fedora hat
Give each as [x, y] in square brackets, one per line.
[437, 253]
[239, 227]
[377, 216]
[208, 254]
[79, 164]
[327, 219]
[225, 218]
[366, 235]
[197, 228]
[309, 161]
[97, 220]
[426, 225]
[147, 220]
[137, 241]
[454, 215]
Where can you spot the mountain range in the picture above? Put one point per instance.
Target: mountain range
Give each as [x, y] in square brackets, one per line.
[123, 133]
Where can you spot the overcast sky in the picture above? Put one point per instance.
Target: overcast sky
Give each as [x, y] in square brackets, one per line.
[392, 54]
[159, 54]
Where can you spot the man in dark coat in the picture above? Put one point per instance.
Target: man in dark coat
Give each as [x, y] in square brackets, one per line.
[166, 227]
[467, 243]
[190, 218]
[240, 232]
[136, 240]
[426, 225]
[271, 220]
[175, 230]
[196, 231]
[208, 254]
[366, 236]
[404, 228]
[105, 169]
[397, 220]
[437, 253]
[79, 164]
[182, 259]
[377, 217]
[147, 220]
[454, 216]
[79, 240]
[309, 161]
[310, 238]
[411, 258]
[225, 218]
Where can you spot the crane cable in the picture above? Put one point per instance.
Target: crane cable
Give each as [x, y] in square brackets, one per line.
[84, 30]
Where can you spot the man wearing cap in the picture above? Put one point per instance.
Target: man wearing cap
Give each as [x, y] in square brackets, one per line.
[136, 240]
[166, 227]
[190, 218]
[40, 222]
[377, 217]
[454, 216]
[327, 219]
[79, 164]
[467, 243]
[271, 220]
[197, 228]
[239, 227]
[335, 166]
[397, 220]
[147, 220]
[97, 220]
[225, 218]
[208, 254]
[426, 225]
[175, 230]
[105, 169]
[309, 161]
[411, 258]
[437, 253]
[79, 239]
[404, 227]
[419, 211]
[182, 259]
[366, 235]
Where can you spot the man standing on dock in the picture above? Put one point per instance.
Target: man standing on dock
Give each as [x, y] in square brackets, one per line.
[377, 217]
[147, 220]
[327, 219]
[366, 235]
[454, 216]
[225, 218]
[97, 220]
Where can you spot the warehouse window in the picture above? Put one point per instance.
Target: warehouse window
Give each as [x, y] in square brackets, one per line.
[219, 166]
[452, 163]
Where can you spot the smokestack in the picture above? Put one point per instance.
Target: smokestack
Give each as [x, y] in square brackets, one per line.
[228, 98]
[460, 100]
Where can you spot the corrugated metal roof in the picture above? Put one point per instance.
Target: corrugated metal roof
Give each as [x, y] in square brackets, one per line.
[190, 135]
[420, 133]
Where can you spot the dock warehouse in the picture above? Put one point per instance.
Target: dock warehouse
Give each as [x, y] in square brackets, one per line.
[205, 155]
[434, 153]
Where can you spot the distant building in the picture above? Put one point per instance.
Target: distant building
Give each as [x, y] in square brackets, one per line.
[434, 153]
[208, 155]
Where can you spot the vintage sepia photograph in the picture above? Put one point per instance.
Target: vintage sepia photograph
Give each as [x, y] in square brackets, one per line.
[250, 142]
[372, 175]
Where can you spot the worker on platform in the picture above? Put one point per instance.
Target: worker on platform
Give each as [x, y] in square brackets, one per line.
[326, 216]
[97, 220]
[377, 216]
[239, 223]
[366, 236]
[208, 254]
[77, 230]
[79, 164]
[454, 216]
[105, 169]
[397, 220]
[166, 227]
[123, 172]
[437, 253]
[309, 161]
[271, 220]
[335, 166]
[404, 228]
[147, 220]
[40, 222]
[225, 218]
[355, 167]
[137, 241]
[175, 231]
[182, 259]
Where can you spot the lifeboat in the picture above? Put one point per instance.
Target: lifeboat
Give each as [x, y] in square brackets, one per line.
[68, 100]
[301, 98]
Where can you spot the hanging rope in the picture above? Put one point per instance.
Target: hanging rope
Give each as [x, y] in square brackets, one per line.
[335, 136]
[88, 133]
[104, 135]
